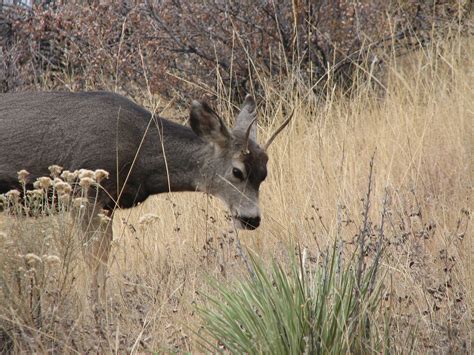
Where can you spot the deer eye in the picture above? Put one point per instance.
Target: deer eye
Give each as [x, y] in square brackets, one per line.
[238, 173]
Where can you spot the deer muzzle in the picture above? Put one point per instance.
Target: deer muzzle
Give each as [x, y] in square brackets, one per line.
[249, 222]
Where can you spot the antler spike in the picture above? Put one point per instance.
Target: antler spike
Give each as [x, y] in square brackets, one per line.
[284, 124]
[247, 136]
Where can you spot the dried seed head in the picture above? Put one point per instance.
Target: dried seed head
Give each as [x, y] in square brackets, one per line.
[13, 195]
[67, 188]
[80, 202]
[63, 187]
[65, 198]
[86, 182]
[104, 218]
[100, 175]
[51, 260]
[69, 176]
[36, 193]
[148, 219]
[55, 170]
[31, 258]
[45, 182]
[22, 176]
[84, 173]
[31, 272]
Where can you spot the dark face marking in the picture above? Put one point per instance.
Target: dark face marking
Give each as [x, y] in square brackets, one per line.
[256, 165]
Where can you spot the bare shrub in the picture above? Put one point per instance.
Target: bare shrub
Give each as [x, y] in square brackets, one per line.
[181, 47]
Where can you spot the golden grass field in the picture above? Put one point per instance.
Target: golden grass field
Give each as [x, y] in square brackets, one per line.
[420, 134]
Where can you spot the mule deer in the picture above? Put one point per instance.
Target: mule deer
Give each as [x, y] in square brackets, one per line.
[145, 154]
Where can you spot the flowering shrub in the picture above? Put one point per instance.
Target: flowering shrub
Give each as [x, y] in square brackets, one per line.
[57, 192]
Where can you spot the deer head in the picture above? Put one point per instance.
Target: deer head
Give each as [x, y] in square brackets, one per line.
[238, 165]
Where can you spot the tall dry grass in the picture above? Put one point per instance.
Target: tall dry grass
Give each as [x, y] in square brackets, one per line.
[419, 131]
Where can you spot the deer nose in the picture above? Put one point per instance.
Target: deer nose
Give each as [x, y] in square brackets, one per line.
[250, 222]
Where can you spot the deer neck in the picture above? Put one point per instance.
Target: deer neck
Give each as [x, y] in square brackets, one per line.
[176, 162]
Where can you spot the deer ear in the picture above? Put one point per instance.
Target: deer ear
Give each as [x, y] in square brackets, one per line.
[246, 117]
[207, 124]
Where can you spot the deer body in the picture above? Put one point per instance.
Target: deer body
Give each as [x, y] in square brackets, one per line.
[92, 131]
[144, 154]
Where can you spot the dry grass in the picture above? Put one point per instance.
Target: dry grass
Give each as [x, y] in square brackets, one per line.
[421, 134]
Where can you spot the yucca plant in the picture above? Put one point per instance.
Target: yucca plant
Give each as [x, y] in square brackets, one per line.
[327, 306]
[301, 310]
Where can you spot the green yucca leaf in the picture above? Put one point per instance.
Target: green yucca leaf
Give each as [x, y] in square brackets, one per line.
[295, 310]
